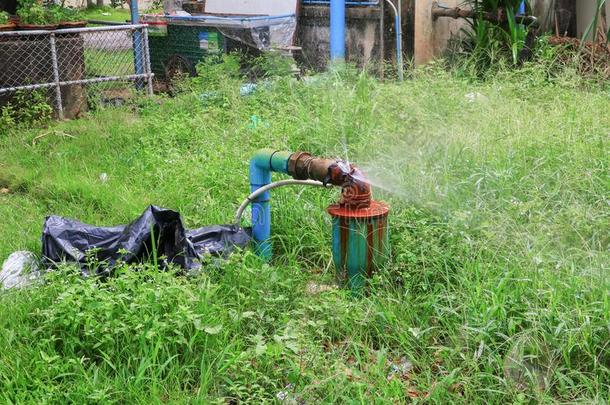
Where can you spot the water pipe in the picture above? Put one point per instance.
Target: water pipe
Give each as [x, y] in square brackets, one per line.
[301, 166]
[438, 10]
[360, 237]
[337, 30]
[398, 29]
[262, 164]
[253, 196]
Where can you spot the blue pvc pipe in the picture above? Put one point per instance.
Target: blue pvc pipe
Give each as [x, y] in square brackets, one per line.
[138, 59]
[337, 29]
[398, 46]
[262, 164]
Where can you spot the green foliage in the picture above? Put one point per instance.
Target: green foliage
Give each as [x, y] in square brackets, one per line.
[498, 287]
[488, 43]
[215, 72]
[107, 13]
[25, 109]
[69, 14]
[270, 65]
[4, 17]
[35, 14]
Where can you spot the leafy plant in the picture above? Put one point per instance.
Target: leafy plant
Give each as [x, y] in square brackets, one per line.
[4, 17]
[55, 14]
[35, 14]
[489, 42]
[270, 65]
[25, 109]
[69, 14]
[117, 3]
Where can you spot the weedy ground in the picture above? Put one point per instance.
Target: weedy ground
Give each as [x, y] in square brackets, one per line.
[497, 292]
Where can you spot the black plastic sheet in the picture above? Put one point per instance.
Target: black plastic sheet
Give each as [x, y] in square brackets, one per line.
[158, 232]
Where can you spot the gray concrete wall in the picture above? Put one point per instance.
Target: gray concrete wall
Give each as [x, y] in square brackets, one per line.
[543, 10]
[363, 37]
[585, 11]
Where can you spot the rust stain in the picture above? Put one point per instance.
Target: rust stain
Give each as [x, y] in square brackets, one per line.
[369, 249]
[381, 229]
[344, 231]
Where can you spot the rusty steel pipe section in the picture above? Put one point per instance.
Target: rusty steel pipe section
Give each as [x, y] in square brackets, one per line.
[355, 189]
[501, 17]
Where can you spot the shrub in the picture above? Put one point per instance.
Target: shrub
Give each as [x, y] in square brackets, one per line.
[25, 109]
[3, 17]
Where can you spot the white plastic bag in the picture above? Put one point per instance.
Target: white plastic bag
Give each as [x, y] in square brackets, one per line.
[19, 270]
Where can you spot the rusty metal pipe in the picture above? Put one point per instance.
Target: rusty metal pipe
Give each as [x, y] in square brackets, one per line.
[356, 190]
[497, 18]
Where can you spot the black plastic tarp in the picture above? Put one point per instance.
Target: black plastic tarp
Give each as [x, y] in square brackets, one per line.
[67, 240]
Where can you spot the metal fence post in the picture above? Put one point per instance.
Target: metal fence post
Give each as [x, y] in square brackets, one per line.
[137, 44]
[58, 102]
[149, 87]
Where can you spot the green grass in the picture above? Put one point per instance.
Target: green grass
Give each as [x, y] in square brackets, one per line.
[498, 288]
[107, 14]
[100, 63]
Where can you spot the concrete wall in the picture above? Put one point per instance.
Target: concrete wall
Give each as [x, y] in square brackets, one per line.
[543, 10]
[567, 17]
[585, 12]
[363, 36]
[432, 36]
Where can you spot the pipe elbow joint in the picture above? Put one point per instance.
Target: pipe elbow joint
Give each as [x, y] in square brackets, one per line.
[266, 161]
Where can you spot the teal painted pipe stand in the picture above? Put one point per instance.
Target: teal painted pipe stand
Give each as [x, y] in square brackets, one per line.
[360, 243]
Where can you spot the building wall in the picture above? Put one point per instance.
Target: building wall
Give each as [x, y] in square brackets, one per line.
[363, 36]
[432, 36]
[585, 12]
[568, 17]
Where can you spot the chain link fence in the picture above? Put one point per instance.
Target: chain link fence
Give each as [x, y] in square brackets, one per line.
[72, 64]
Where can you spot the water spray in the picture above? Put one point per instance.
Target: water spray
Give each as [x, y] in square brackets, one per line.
[360, 233]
